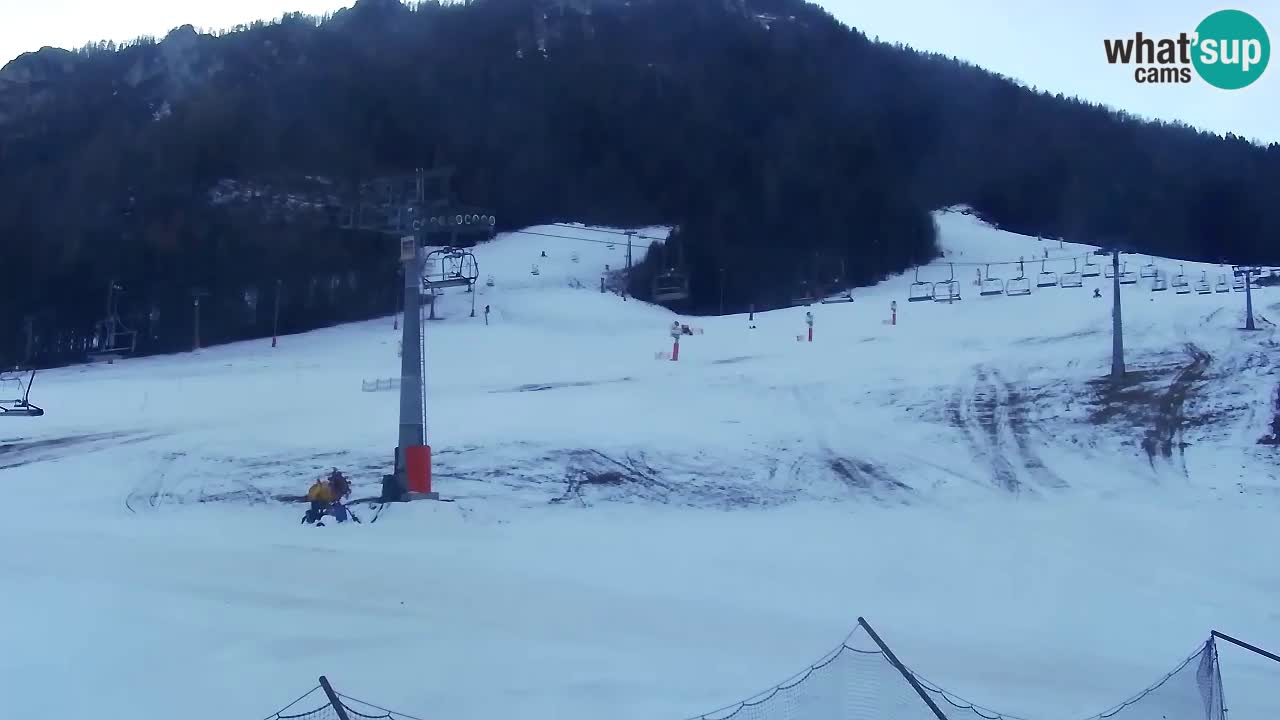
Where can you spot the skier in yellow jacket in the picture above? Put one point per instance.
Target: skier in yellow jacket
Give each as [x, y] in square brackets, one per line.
[321, 497]
[326, 497]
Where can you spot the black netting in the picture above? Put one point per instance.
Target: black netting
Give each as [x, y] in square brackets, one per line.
[857, 681]
[295, 711]
[854, 682]
[321, 713]
[1192, 691]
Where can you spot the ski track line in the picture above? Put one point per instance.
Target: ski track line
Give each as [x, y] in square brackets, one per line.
[1021, 430]
[1166, 432]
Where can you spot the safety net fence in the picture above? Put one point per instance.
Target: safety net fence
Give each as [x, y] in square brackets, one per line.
[863, 680]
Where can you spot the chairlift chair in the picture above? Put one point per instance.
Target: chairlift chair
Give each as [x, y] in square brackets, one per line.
[1018, 286]
[1072, 279]
[1222, 286]
[1090, 269]
[1159, 283]
[670, 286]
[1109, 271]
[990, 286]
[1128, 277]
[948, 290]
[1149, 270]
[489, 281]
[919, 290]
[535, 271]
[1046, 278]
[21, 407]
[1202, 285]
[1179, 282]
[1238, 284]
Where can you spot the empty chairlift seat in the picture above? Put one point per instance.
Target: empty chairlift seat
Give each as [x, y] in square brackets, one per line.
[1018, 286]
[1128, 277]
[1090, 269]
[990, 285]
[1047, 279]
[1203, 287]
[1159, 283]
[1238, 284]
[670, 286]
[946, 291]
[919, 290]
[1071, 279]
[1223, 285]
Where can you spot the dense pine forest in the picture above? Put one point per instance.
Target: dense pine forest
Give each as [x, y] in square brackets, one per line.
[782, 144]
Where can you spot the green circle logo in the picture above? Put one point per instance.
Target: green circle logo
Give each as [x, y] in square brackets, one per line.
[1232, 49]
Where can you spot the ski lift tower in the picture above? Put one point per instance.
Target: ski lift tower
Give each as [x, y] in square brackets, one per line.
[1117, 334]
[458, 226]
[1247, 273]
[419, 210]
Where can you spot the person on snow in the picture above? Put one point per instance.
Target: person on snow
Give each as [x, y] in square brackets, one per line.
[320, 495]
[341, 488]
[340, 485]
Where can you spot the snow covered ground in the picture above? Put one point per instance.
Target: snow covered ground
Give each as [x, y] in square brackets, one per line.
[635, 537]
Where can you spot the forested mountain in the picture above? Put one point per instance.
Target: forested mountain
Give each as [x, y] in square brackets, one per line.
[782, 144]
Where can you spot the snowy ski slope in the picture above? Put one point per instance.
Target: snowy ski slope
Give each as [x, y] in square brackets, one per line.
[634, 537]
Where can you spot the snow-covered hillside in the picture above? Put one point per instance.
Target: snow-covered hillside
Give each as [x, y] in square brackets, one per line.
[635, 537]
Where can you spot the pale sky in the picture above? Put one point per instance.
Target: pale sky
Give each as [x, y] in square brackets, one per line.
[1055, 45]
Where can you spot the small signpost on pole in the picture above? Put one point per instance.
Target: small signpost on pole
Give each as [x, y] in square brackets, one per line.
[808, 319]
